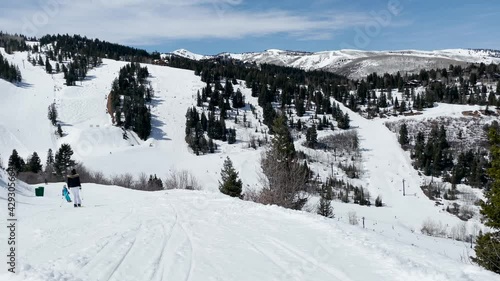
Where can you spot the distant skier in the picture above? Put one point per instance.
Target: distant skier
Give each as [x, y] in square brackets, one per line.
[75, 186]
[65, 193]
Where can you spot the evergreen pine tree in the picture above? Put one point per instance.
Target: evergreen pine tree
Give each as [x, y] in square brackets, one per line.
[325, 203]
[228, 89]
[403, 135]
[49, 163]
[203, 143]
[419, 148]
[488, 245]
[269, 114]
[382, 101]
[50, 158]
[199, 101]
[231, 136]
[238, 99]
[282, 141]
[312, 137]
[286, 176]
[142, 124]
[223, 131]
[324, 121]
[34, 163]
[62, 160]
[299, 125]
[299, 107]
[343, 121]
[402, 107]
[118, 117]
[48, 66]
[16, 163]
[52, 115]
[230, 184]
[59, 130]
[204, 122]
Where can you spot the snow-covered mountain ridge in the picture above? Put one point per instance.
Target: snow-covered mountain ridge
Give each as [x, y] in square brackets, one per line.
[358, 63]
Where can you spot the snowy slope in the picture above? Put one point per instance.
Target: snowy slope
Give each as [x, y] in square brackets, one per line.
[81, 109]
[385, 167]
[166, 150]
[124, 235]
[88, 128]
[23, 110]
[357, 63]
[100, 146]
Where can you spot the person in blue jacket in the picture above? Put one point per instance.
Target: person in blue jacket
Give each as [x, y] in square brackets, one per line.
[75, 186]
[65, 193]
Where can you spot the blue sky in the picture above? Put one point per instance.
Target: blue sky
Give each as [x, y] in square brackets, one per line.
[214, 26]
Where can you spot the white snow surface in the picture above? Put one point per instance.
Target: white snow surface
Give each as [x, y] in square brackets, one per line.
[122, 234]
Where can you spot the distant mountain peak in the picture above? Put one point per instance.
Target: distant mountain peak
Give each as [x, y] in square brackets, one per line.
[188, 54]
[359, 63]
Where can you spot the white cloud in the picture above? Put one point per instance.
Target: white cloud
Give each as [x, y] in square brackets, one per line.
[139, 21]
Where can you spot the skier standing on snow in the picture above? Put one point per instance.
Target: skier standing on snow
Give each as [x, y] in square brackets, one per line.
[75, 186]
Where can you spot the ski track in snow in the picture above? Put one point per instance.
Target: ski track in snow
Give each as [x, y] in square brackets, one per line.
[171, 261]
[173, 252]
[195, 236]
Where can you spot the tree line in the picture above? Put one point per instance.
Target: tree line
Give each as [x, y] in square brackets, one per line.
[455, 85]
[81, 45]
[58, 163]
[13, 42]
[470, 74]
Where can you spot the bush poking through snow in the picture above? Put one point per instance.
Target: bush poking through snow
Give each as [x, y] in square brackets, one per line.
[182, 180]
[353, 218]
[345, 141]
[459, 232]
[432, 228]
[125, 180]
[466, 213]
[143, 182]
[350, 170]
